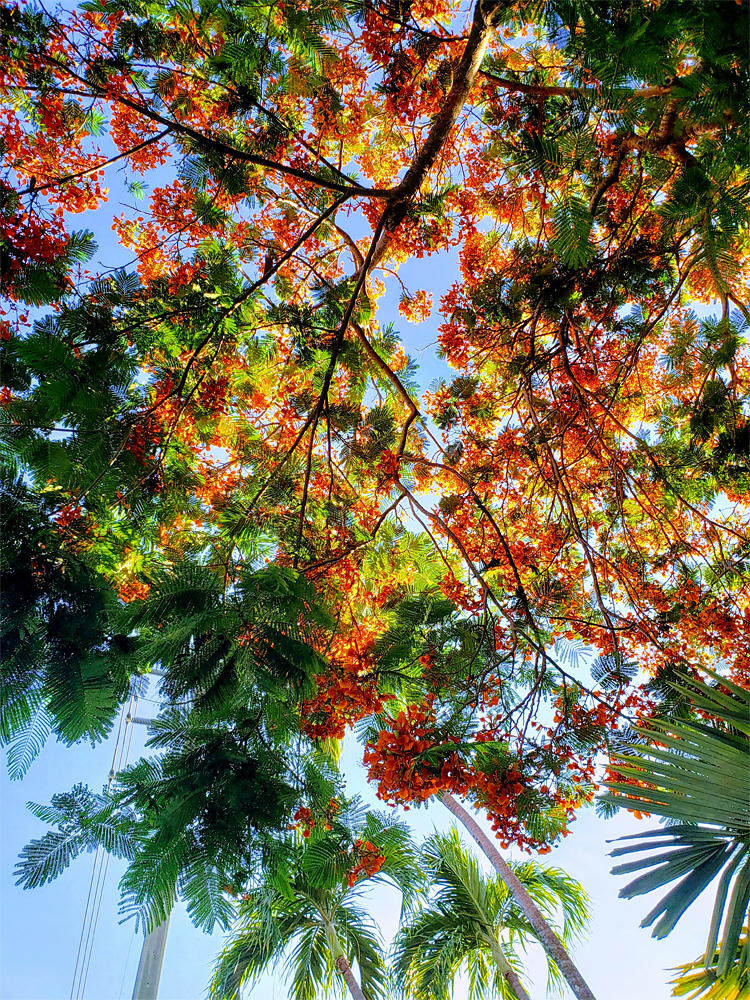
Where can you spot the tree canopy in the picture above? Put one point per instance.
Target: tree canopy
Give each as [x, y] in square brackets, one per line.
[220, 460]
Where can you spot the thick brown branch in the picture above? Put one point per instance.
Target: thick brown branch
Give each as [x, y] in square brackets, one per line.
[463, 81]
[550, 90]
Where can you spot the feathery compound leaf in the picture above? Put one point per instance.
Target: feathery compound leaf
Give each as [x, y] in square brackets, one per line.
[572, 224]
[29, 739]
[44, 859]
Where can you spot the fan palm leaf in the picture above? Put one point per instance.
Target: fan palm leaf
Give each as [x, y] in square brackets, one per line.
[697, 778]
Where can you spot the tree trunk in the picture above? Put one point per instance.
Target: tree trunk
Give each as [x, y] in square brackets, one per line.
[547, 937]
[340, 961]
[346, 971]
[508, 972]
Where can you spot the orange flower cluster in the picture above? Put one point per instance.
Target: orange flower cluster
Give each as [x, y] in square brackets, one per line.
[27, 239]
[498, 794]
[459, 593]
[394, 761]
[346, 693]
[128, 130]
[387, 465]
[143, 438]
[416, 308]
[305, 819]
[67, 515]
[213, 395]
[133, 590]
[369, 862]
[346, 574]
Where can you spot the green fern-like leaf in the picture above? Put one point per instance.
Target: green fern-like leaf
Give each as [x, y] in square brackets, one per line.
[572, 224]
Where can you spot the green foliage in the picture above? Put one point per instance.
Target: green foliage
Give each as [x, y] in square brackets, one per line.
[66, 664]
[216, 647]
[232, 765]
[471, 922]
[196, 819]
[711, 433]
[572, 222]
[696, 778]
[202, 803]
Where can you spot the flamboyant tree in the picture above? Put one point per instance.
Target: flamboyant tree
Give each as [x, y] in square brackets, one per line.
[228, 395]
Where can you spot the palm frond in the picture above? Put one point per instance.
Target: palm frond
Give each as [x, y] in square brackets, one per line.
[471, 922]
[697, 776]
[364, 948]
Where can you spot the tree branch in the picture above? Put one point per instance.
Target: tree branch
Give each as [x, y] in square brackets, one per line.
[92, 170]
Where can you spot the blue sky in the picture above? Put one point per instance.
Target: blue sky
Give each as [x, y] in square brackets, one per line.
[40, 928]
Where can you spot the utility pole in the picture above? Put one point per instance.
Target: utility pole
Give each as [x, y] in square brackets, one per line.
[152, 953]
[149, 968]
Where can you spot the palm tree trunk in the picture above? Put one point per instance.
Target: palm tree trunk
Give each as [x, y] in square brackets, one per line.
[341, 963]
[547, 937]
[508, 972]
[346, 971]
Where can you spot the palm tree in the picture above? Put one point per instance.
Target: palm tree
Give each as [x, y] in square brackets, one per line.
[556, 951]
[474, 922]
[305, 910]
[696, 778]
[695, 980]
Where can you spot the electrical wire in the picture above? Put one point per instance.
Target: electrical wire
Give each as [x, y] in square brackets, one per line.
[94, 924]
[123, 743]
[74, 991]
[127, 960]
[75, 987]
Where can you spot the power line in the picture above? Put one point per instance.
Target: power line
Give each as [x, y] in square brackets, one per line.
[127, 960]
[81, 954]
[123, 744]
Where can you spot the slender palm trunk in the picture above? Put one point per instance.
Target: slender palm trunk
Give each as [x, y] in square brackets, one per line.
[547, 937]
[346, 971]
[508, 972]
[341, 963]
